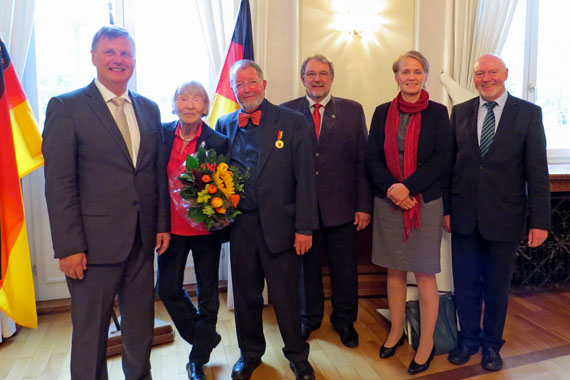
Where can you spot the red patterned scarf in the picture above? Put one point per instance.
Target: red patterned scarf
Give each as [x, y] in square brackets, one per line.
[411, 216]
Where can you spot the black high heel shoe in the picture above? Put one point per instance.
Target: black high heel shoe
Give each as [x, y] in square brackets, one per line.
[416, 368]
[386, 352]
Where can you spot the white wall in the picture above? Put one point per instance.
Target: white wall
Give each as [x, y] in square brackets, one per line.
[290, 31]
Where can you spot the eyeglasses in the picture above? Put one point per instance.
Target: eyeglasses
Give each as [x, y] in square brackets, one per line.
[250, 84]
[313, 75]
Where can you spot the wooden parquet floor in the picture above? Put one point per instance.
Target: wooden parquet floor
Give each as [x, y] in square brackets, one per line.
[537, 334]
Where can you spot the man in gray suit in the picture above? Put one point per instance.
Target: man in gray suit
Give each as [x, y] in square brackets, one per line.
[499, 181]
[108, 205]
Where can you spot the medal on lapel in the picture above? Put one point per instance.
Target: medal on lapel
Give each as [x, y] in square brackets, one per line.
[279, 143]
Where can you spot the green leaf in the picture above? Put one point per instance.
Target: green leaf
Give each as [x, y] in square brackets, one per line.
[201, 155]
[191, 163]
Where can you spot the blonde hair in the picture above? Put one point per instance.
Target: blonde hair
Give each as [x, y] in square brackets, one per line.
[411, 54]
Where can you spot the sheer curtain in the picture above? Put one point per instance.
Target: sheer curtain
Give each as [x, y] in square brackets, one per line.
[16, 24]
[218, 23]
[217, 19]
[474, 28]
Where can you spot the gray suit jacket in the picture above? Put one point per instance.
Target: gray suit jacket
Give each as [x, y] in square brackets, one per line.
[95, 196]
[498, 191]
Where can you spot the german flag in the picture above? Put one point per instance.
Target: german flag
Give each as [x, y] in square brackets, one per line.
[20, 153]
[241, 47]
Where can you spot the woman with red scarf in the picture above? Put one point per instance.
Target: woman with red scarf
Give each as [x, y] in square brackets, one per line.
[407, 156]
[195, 324]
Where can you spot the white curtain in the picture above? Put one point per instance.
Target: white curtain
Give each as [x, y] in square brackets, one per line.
[218, 23]
[217, 20]
[16, 24]
[475, 27]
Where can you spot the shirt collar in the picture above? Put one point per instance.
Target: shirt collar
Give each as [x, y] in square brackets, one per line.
[108, 94]
[501, 100]
[323, 102]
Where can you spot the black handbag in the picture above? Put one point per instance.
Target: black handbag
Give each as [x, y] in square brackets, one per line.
[445, 334]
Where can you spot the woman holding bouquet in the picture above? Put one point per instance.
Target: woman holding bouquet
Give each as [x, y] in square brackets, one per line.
[407, 157]
[196, 325]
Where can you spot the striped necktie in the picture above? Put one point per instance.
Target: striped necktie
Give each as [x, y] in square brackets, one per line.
[488, 129]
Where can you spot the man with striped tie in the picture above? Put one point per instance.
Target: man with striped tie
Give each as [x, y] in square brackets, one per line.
[499, 171]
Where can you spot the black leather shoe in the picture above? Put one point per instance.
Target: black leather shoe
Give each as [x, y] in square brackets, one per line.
[244, 367]
[491, 359]
[195, 371]
[416, 368]
[306, 331]
[303, 370]
[348, 336]
[387, 352]
[461, 354]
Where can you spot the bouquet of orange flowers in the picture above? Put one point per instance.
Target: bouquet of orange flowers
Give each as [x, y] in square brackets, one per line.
[208, 190]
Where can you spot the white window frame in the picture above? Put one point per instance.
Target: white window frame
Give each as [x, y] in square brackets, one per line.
[555, 156]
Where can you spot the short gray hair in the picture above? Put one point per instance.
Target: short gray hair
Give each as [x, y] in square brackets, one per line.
[319, 58]
[192, 88]
[244, 64]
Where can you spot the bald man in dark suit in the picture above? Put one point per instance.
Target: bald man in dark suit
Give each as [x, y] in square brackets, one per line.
[499, 184]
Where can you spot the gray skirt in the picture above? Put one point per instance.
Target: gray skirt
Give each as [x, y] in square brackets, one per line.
[421, 251]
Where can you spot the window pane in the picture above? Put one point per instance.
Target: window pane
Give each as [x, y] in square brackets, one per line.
[513, 51]
[64, 30]
[170, 50]
[553, 88]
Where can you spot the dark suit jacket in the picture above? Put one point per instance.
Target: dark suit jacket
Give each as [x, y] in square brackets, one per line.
[211, 138]
[493, 192]
[285, 181]
[342, 183]
[95, 196]
[433, 153]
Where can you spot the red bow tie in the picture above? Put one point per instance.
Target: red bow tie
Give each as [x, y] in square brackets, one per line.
[243, 118]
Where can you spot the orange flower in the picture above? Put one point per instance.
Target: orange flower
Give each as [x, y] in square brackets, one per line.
[216, 202]
[206, 178]
[221, 210]
[234, 198]
[212, 189]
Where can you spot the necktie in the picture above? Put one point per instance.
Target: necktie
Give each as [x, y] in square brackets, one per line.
[121, 120]
[488, 129]
[243, 118]
[317, 118]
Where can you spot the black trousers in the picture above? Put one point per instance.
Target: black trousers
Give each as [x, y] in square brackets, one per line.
[252, 262]
[197, 326]
[92, 302]
[339, 244]
[482, 272]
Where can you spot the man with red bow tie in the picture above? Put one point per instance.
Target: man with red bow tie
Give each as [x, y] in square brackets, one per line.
[278, 215]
